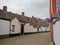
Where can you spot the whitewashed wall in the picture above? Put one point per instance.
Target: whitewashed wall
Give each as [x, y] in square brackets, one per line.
[17, 26]
[45, 29]
[40, 29]
[4, 27]
[56, 32]
[48, 29]
[35, 29]
[29, 28]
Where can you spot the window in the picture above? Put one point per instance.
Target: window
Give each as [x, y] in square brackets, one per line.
[13, 28]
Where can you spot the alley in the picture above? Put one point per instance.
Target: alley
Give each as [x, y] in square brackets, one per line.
[30, 39]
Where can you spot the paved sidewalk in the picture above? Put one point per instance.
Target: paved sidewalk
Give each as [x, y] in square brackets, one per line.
[30, 39]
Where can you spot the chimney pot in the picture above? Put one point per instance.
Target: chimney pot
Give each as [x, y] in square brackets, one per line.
[32, 16]
[22, 13]
[5, 8]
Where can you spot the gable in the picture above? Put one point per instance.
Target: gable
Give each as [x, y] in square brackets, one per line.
[15, 20]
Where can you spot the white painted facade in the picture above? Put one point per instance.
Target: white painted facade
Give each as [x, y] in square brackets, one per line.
[45, 29]
[48, 29]
[40, 29]
[29, 28]
[17, 26]
[4, 27]
[56, 32]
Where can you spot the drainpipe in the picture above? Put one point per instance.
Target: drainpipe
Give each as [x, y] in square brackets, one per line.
[37, 29]
[10, 28]
[53, 35]
[41, 28]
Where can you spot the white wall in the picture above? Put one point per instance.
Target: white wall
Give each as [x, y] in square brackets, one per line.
[48, 29]
[29, 28]
[4, 27]
[56, 32]
[40, 30]
[17, 26]
[45, 29]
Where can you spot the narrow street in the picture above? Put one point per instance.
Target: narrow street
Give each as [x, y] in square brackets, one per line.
[30, 39]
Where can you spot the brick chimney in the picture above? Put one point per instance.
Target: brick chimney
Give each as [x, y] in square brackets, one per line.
[22, 14]
[38, 21]
[33, 17]
[5, 8]
[5, 11]
[32, 20]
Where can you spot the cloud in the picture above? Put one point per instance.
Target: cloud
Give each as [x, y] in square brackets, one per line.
[36, 8]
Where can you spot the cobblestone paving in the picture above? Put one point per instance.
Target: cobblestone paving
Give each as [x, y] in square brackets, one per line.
[30, 39]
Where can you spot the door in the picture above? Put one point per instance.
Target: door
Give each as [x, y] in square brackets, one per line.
[22, 29]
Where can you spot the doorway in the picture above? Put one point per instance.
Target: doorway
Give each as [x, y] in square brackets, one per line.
[22, 29]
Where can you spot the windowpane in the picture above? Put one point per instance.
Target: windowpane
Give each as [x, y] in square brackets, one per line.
[13, 28]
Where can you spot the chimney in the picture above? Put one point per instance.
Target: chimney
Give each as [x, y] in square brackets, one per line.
[5, 8]
[32, 20]
[38, 21]
[22, 16]
[22, 13]
[33, 17]
[5, 11]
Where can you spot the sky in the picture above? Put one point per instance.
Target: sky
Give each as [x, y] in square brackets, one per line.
[36, 8]
[58, 2]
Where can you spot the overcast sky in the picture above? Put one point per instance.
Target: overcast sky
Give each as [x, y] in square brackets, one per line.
[36, 8]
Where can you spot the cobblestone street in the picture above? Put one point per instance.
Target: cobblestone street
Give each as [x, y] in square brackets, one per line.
[30, 39]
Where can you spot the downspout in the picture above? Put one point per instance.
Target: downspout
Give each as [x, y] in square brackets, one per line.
[10, 29]
[41, 29]
[38, 29]
[53, 35]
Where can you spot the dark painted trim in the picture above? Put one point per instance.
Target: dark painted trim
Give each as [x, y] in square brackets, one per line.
[18, 34]
[12, 35]
[10, 28]
[30, 32]
[45, 31]
[53, 41]
[5, 19]
[36, 32]
[53, 35]
[4, 36]
[9, 35]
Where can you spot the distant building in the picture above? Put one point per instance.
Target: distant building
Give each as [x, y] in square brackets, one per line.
[15, 24]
